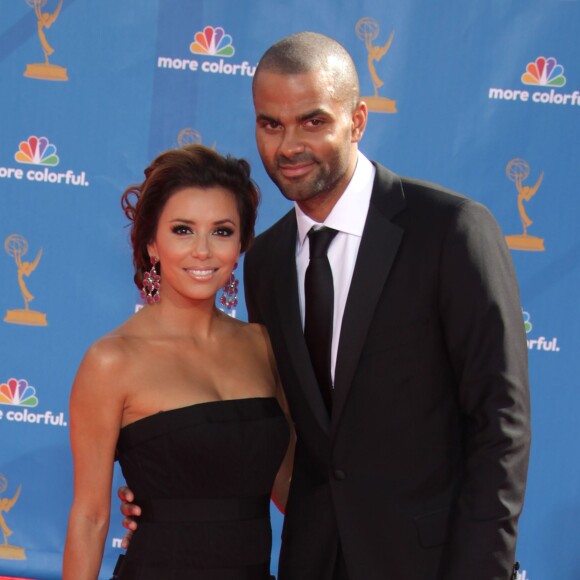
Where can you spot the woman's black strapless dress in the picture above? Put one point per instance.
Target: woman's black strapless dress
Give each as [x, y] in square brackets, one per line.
[203, 476]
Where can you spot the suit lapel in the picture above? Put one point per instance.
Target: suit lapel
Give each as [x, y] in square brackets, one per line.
[379, 245]
[289, 322]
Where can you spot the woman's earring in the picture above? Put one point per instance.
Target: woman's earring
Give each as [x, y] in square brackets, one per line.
[229, 297]
[151, 283]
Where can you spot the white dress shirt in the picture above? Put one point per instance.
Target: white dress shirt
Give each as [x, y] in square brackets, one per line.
[348, 217]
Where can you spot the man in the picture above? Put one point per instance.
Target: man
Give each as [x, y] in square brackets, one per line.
[411, 465]
[418, 471]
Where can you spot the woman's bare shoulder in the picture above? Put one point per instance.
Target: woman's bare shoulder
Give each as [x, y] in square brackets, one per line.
[257, 336]
[113, 352]
[257, 331]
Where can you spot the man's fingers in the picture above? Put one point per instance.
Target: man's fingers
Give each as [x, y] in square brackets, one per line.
[130, 524]
[130, 509]
[125, 494]
[126, 539]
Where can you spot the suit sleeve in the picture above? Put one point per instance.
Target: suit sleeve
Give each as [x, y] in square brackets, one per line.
[483, 325]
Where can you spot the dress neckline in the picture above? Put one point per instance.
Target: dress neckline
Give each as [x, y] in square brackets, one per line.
[203, 404]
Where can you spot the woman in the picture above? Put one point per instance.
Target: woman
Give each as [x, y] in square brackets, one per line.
[185, 396]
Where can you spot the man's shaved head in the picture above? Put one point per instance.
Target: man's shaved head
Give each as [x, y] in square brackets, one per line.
[306, 52]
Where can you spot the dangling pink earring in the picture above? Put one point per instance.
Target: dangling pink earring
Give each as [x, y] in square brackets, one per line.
[151, 283]
[229, 297]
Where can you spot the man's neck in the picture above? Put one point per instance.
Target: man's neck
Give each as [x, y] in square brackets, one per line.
[318, 208]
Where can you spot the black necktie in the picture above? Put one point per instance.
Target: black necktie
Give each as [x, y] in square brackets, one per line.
[319, 309]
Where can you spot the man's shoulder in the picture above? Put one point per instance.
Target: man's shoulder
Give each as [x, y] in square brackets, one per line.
[419, 192]
[275, 234]
[434, 192]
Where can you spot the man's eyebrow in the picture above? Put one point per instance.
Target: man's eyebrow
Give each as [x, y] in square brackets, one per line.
[314, 113]
[303, 117]
[262, 117]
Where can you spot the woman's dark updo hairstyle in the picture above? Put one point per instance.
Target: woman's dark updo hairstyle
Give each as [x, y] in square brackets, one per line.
[173, 170]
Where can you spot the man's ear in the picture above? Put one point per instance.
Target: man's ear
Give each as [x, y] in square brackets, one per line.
[359, 121]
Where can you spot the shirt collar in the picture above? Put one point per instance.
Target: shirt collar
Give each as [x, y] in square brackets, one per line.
[350, 212]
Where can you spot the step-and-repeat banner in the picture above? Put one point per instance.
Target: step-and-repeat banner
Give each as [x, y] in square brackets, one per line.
[483, 97]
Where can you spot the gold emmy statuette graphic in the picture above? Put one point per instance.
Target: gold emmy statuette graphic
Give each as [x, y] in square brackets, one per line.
[367, 29]
[17, 246]
[189, 136]
[517, 171]
[44, 70]
[8, 552]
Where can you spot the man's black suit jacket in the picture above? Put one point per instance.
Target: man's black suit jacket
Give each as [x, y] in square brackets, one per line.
[420, 473]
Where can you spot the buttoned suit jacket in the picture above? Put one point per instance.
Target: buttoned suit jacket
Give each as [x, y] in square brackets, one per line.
[420, 472]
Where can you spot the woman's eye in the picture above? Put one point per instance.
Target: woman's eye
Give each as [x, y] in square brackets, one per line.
[181, 230]
[225, 232]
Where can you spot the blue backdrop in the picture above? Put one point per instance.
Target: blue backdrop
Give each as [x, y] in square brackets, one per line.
[483, 97]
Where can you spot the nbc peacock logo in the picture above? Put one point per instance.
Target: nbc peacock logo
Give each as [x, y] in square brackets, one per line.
[21, 396]
[19, 393]
[545, 72]
[540, 342]
[527, 321]
[40, 153]
[37, 151]
[213, 42]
